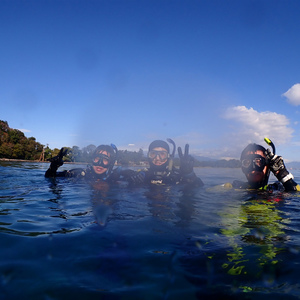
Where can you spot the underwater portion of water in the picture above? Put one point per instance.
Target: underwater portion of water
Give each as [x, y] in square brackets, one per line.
[68, 239]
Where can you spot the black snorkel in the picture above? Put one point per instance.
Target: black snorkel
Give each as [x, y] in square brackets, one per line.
[170, 166]
[114, 159]
[270, 143]
[174, 147]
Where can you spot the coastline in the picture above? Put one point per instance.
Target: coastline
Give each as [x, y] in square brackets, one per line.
[36, 161]
[65, 162]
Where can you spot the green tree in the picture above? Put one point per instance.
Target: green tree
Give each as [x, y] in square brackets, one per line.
[18, 151]
[16, 136]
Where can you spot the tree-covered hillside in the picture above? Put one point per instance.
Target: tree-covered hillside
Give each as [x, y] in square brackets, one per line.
[14, 144]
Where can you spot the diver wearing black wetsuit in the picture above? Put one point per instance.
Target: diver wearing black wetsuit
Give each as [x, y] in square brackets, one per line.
[162, 171]
[104, 158]
[257, 162]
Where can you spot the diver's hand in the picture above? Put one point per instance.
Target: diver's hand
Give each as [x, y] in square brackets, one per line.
[137, 178]
[277, 166]
[57, 161]
[133, 177]
[186, 161]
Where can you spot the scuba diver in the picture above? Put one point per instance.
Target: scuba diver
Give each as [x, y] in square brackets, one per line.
[257, 162]
[103, 161]
[161, 170]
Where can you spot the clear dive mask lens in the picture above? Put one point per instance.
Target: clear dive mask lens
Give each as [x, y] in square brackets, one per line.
[163, 155]
[101, 160]
[253, 162]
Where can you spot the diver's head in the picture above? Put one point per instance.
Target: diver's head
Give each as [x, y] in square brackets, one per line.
[254, 165]
[104, 158]
[158, 155]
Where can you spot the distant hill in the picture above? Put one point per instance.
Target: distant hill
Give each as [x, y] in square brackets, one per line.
[203, 158]
[293, 165]
[211, 162]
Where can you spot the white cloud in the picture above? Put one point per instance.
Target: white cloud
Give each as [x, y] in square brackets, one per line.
[24, 130]
[254, 126]
[293, 94]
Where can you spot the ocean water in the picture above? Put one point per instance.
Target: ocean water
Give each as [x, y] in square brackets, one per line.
[67, 239]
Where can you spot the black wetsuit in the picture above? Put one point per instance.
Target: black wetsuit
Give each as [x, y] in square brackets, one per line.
[87, 173]
[150, 176]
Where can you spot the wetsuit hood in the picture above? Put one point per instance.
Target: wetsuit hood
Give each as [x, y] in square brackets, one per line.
[159, 143]
[252, 148]
[156, 144]
[112, 150]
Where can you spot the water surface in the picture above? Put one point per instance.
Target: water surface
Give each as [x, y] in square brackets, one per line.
[67, 239]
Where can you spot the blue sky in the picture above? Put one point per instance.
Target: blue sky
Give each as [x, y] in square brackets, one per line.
[215, 74]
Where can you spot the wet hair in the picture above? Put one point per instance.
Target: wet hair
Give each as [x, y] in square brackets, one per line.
[252, 148]
[159, 143]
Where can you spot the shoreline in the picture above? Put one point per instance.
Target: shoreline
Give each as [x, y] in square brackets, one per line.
[36, 161]
[65, 162]
[82, 163]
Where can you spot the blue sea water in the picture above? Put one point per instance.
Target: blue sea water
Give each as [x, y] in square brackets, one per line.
[67, 239]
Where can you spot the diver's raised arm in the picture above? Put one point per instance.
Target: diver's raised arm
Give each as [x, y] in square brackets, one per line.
[56, 162]
[278, 168]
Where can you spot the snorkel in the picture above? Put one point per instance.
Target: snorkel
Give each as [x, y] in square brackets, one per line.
[270, 143]
[114, 159]
[170, 166]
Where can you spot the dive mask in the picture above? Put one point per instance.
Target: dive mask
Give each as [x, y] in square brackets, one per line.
[163, 155]
[101, 160]
[253, 162]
